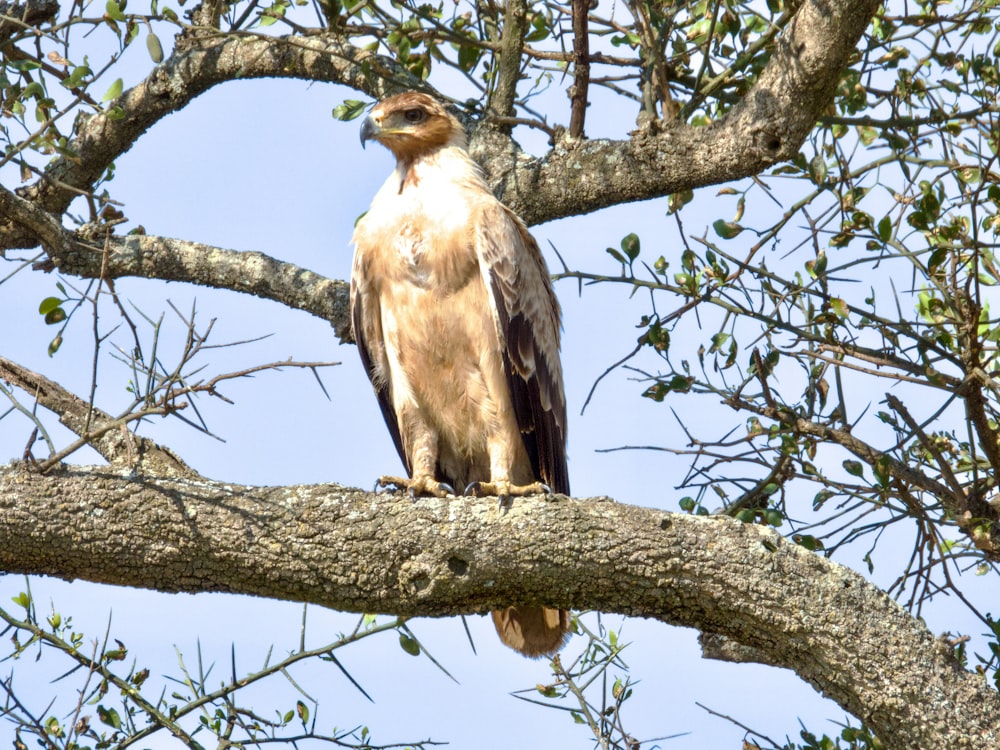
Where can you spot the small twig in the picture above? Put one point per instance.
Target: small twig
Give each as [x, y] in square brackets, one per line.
[943, 466]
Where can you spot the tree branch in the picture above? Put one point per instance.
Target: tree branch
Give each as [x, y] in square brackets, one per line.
[107, 435]
[509, 57]
[170, 259]
[15, 17]
[188, 72]
[766, 127]
[351, 550]
[581, 69]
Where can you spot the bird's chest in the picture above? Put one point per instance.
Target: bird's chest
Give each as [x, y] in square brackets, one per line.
[424, 240]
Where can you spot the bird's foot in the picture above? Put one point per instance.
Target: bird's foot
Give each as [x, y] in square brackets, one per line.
[417, 486]
[506, 491]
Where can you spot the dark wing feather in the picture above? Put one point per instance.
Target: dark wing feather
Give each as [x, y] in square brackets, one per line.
[366, 322]
[527, 315]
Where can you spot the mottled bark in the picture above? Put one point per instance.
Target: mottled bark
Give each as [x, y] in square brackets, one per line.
[350, 550]
[575, 177]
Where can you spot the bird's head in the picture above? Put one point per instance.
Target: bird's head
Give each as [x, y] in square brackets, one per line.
[411, 125]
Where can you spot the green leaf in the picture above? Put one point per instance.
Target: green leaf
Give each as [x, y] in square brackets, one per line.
[617, 256]
[114, 11]
[54, 316]
[350, 109]
[549, 691]
[718, 340]
[22, 600]
[272, 14]
[676, 201]
[76, 76]
[23, 66]
[885, 229]
[883, 470]
[409, 645]
[114, 91]
[808, 541]
[726, 229]
[821, 497]
[630, 245]
[539, 29]
[48, 304]
[468, 56]
[303, 712]
[817, 169]
[55, 344]
[867, 135]
[33, 89]
[816, 268]
[854, 468]
[109, 716]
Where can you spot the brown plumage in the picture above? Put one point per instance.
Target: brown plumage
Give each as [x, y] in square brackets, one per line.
[458, 329]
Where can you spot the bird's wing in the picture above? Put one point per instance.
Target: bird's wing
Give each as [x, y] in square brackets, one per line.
[526, 313]
[366, 322]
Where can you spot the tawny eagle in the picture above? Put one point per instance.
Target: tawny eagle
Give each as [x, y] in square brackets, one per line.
[458, 328]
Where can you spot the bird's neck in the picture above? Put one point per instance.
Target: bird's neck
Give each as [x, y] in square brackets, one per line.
[450, 162]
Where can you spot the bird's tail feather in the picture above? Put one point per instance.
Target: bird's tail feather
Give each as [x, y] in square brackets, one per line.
[533, 631]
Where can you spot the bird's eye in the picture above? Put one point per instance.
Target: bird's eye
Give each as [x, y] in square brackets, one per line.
[414, 115]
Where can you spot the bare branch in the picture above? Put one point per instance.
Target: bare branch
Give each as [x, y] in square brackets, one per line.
[105, 434]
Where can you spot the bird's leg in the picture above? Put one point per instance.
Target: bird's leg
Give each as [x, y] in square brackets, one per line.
[417, 486]
[423, 462]
[503, 453]
[506, 490]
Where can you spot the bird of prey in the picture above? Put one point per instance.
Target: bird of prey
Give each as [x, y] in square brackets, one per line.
[458, 328]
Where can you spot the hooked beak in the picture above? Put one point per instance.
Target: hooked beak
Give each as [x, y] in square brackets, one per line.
[369, 129]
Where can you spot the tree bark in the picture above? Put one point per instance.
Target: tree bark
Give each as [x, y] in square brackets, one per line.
[574, 177]
[350, 550]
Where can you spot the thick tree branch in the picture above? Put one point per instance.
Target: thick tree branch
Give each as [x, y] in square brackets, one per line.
[768, 126]
[189, 72]
[177, 260]
[16, 17]
[167, 259]
[350, 550]
[575, 177]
